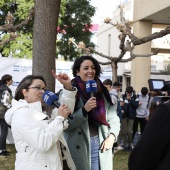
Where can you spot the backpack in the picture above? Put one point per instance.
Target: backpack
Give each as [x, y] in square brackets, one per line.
[117, 109]
[117, 100]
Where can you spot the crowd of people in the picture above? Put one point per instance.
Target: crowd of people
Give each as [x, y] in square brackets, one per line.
[102, 124]
[132, 109]
[138, 110]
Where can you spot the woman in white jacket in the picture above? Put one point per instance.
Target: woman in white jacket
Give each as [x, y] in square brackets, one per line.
[39, 143]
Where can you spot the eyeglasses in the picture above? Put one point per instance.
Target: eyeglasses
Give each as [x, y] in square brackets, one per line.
[38, 88]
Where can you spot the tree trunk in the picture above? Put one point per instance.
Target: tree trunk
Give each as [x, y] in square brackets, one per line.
[114, 71]
[44, 39]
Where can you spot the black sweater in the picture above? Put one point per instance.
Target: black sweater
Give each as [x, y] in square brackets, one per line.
[152, 152]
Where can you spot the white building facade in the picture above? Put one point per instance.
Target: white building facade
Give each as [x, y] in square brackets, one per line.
[129, 73]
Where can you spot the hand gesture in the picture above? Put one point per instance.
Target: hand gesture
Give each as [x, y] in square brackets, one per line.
[128, 96]
[90, 104]
[63, 79]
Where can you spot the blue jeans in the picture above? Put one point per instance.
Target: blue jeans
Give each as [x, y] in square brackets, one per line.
[95, 146]
[4, 134]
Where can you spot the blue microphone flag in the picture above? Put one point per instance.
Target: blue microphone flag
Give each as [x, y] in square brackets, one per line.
[91, 86]
[49, 97]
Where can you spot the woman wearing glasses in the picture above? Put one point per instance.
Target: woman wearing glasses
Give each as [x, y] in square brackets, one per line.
[39, 143]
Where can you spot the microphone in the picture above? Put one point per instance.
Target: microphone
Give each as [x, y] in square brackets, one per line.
[91, 87]
[51, 98]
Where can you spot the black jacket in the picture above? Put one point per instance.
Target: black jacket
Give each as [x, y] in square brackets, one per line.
[130, 106]
[3, 108]
[152, 152]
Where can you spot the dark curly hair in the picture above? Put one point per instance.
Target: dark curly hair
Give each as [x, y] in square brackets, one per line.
[78, 61]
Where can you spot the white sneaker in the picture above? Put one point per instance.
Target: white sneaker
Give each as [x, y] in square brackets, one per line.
[132, 145]
[118, 149]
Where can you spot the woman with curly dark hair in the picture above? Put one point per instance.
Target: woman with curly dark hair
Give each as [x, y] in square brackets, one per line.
[95, 127]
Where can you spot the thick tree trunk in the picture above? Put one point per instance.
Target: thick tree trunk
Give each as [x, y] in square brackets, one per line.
[44, 39]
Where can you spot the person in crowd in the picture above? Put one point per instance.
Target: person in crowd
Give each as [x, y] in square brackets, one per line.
[157, 97]
[39, 143]
[95, 127]
[115, 95]
[128, 105]
[117, 91]
[152, 152]
[142, 112]
[5, 104]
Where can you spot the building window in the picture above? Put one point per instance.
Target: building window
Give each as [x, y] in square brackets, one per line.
[153, 67]
[120, 79]
[109, 44]
[128, 80]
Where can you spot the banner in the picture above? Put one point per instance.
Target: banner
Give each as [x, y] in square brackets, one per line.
[19, 68]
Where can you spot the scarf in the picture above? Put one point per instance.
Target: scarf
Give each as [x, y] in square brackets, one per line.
[96, 115]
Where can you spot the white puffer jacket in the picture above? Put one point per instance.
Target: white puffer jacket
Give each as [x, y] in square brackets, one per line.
[37, 140]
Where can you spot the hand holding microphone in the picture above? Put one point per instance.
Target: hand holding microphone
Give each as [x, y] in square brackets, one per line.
[64, 111]
[91, 87]
[51, 98]
[90, 104]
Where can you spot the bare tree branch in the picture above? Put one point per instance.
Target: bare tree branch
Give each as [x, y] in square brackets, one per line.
[104, 63]
[153, 36]
[125, 28]
[128, 41]
[121, 46]
[11, 28]
[11, 38]
[102, 55]
[133, 56]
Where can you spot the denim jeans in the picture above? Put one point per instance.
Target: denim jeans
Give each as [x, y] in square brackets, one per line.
[4, 134]
[95, 146]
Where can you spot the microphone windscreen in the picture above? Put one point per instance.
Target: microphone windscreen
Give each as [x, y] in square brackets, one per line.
[91, 86]
[49, 97]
